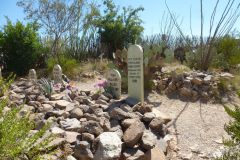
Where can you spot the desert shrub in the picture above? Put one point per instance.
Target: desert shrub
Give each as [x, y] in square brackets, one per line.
[69, 65]
[228, 53]
[233, 129]
[16, 141]
[20, 46]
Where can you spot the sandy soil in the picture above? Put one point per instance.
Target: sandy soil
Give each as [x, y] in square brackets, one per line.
[198, 127]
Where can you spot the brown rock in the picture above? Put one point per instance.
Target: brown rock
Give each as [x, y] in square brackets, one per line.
[92, 127]
[155, 154]
[88, 137]
[76, 113]
[62, 104]
[133, 134]
[156, 124]
[143, 108]
[128, 122]
[197, 81]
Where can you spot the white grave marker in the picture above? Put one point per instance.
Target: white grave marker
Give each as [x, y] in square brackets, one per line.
[135, 72]
[114, 79]
[32, 75]
[57, 74]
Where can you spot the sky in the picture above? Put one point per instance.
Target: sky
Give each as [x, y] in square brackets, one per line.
[151, 16]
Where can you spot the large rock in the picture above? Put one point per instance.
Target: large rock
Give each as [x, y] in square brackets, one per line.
[133, 134]
[109, 146]
[148, 140]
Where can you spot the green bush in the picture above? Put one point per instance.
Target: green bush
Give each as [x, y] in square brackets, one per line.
[233, 129]
[69, 65]
[20, 46]
[16, 141]
[228, 53]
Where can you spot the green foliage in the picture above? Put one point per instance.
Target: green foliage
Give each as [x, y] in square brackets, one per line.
[16, 141]
[228, 53]
[69, 65]
[233, 129]
[20, 46]
[5, 83]
[117, 30]
[46, 87]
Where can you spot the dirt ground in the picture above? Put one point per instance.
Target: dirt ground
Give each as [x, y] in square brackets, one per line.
[197, 128]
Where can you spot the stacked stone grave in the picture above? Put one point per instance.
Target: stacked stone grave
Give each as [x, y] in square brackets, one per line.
[94, 125]
[191, 86]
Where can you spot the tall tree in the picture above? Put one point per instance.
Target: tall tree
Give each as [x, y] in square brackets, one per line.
[55, 16]
[20, 46]
[117, 30]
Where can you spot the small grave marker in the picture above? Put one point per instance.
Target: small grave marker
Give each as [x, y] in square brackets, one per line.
[114, 79]
[32, 75]
[57, 74]
[135, 72]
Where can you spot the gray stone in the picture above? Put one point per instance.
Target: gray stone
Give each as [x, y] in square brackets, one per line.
[148, 140]
[71, 136]
[149, 116]
[109, 146]
[47, 107]
[57, 131]
[131, 101]
[70, 124]
[92, 127]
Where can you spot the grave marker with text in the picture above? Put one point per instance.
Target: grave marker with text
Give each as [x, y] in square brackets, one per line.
[135, 72]
[114, 80]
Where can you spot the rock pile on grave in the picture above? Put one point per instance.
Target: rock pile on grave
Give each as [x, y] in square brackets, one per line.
[191, 85]
[93, 125]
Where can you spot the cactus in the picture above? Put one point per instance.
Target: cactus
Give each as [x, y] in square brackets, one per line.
[46, 86]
